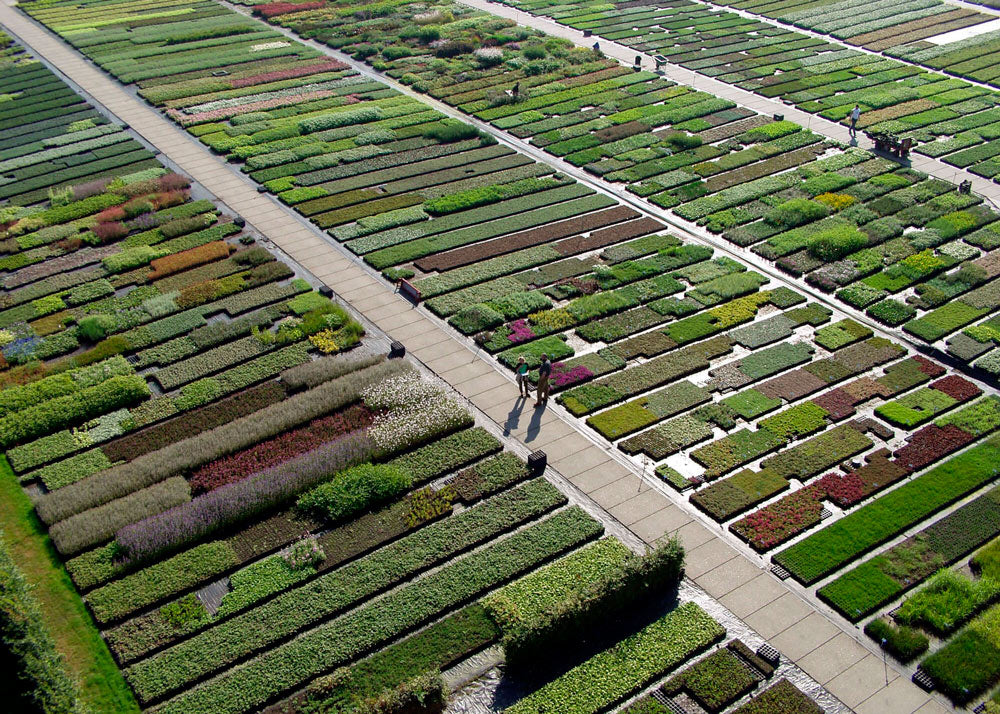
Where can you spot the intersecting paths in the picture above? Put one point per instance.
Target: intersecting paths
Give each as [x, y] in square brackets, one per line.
[833, 656]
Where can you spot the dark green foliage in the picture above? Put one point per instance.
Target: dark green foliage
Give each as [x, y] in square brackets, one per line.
[435, 648]
[903, 643]
[891, 312]
[965, 667]
[95, 328]
[781, 698]
[834, 243]
[449, 131]
[680, 142]
[795, 213]
[475, 319]
[714, 682]
[355, 490]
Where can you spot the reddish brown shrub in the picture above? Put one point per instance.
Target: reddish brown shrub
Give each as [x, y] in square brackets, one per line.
[957, 387]
[929, 444]
[281, 448]
[524, 239]
[175, 263]
[107, 232]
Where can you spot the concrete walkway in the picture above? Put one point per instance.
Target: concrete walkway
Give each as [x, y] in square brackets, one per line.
[836, 656]
[742, 97]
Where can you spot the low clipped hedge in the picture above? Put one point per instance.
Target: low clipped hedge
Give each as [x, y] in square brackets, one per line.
[836, 242]
[903, 643]
[339, 590]
[795, 212]
[355, 490]
[439, 646]
[891, 312]
[161, 580]
[47, 416]
[615, 673]
[547, 610]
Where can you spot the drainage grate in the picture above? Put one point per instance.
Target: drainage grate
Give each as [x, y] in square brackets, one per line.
[923, 680]
[780, 572]
[980, 708]
[824, 514]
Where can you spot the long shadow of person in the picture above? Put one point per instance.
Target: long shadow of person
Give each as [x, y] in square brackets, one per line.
[535, 424]
[514, 415]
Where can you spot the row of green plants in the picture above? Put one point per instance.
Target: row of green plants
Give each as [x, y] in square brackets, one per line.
[816, 75]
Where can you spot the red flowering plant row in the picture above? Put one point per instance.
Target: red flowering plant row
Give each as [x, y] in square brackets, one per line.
[929, 444]
[266, 454]
[799, 511]
[783, 519]
[273, 9]
[326, 65]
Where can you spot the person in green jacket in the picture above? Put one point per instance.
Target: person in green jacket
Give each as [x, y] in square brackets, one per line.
[523, 385]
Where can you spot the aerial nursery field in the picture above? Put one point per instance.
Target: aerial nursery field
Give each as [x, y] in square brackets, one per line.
[803, 432]
[907, 249]
[949, 118]
[252, 502]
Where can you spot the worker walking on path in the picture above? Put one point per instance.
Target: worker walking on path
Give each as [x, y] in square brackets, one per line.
[855, 115]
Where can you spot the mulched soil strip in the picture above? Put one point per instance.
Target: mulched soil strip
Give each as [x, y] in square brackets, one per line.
[524, 239]
[608, 236]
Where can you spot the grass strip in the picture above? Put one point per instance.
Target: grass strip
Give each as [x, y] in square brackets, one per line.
[824, 552]
[102, 687]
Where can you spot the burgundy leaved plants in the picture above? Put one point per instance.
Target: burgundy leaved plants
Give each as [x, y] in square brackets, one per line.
[244, 499]
[289, 445]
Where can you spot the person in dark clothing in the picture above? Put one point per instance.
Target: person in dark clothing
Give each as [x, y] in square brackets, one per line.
[544, 372]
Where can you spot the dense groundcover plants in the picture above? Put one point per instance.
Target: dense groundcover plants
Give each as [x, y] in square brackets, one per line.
[343, 505]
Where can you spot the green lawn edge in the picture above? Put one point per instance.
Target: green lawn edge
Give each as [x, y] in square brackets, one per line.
[102, 687]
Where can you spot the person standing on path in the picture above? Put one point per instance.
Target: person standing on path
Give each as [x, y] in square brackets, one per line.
[855, 115]
[544, 371]
[522, 379]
